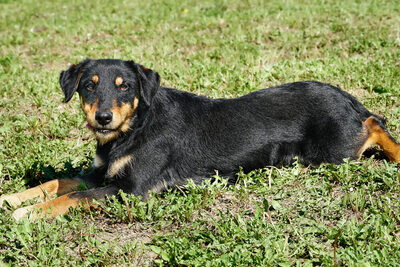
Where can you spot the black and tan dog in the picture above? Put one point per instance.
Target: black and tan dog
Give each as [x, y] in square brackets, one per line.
[151, 137]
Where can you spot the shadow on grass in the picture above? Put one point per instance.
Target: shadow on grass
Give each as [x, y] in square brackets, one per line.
[40, 173]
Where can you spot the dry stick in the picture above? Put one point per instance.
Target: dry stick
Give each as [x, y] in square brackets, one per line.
[179, 188]
[270, 174]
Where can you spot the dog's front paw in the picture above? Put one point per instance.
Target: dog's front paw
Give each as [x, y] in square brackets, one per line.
[13, 200]
[21, 213]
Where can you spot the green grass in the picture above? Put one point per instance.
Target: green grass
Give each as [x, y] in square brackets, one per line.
[296, 215]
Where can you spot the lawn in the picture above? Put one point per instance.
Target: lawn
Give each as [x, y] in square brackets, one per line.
[296, 215]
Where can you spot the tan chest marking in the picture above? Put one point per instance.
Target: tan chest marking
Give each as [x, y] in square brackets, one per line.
[97, 162]
[117, 166]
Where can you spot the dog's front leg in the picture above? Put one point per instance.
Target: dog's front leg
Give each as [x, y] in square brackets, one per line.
[43, 191]
[61, 205]
[59, 187]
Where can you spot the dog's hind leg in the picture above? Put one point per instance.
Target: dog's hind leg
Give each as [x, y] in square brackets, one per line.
[61, 205]
[43, 191]
[378, 134]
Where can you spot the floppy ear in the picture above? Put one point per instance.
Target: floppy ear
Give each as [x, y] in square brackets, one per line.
[69, 79]
[149, 82]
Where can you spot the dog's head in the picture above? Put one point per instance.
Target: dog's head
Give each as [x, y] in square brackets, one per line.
[110, 91]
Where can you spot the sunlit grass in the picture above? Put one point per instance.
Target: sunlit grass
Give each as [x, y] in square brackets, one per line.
[296, 215]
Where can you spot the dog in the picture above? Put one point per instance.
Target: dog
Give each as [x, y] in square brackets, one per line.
[151, 137]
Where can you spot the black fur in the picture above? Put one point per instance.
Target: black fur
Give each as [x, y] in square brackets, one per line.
[176, 135]
[69, 80]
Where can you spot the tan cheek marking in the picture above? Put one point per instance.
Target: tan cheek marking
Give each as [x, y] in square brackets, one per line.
[95, 78]
[117, 165]
[119, 81]
[122, 114]
[129, 114]
[90, 111]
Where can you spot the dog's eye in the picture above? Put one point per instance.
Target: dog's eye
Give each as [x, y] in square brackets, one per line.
[90, 86]
[123, 86]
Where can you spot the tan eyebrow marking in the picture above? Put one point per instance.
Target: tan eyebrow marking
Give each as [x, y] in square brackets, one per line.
[95, 78]
[118, 81]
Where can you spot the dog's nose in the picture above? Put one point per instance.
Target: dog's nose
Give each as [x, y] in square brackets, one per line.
[103, 117]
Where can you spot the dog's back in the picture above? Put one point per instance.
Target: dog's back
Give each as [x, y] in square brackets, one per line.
[312, 121]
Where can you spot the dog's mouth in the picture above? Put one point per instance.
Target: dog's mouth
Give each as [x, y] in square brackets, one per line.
[101, 131]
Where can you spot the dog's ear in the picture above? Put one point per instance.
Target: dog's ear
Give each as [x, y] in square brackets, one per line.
[69, 79]
[149, 82]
